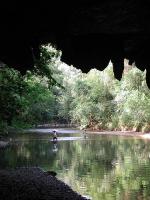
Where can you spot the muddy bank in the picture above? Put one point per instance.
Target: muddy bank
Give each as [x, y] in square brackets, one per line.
[145, 136]
[117, 133]
[34, 184]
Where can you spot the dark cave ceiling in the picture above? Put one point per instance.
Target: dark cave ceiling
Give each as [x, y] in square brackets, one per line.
[90, 33]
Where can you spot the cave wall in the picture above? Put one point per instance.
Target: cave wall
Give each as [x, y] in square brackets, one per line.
[90, 33]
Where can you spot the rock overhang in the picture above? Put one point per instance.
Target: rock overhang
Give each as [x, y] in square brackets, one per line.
[89, 33]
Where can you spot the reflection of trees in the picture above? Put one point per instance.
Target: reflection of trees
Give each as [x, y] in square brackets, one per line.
[103, 167]
[109, 168]
[29, 153]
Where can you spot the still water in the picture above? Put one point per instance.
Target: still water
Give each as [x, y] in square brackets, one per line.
[101, 167]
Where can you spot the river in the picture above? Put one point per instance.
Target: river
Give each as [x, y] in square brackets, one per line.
[98, 166]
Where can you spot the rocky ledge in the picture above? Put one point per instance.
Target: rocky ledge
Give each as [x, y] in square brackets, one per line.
[34, 184]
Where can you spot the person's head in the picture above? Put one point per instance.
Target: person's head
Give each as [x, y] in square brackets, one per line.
[54, 132]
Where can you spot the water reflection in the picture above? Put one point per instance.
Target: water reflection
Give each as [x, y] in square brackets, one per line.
[102, 167]
[55, 148]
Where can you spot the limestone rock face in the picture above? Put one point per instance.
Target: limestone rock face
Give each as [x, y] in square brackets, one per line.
[90, 33]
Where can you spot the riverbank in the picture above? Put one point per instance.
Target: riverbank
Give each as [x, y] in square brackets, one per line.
[34, 184]
[145, 136]
[121, 133]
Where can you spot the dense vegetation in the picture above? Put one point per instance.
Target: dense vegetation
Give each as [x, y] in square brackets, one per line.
[56, 92]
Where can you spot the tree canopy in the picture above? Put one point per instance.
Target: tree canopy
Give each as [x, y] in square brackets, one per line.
[56, 92]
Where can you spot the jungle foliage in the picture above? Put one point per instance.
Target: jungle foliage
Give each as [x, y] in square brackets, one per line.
[56, 92]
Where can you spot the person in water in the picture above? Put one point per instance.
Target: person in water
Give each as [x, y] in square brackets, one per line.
[84, 133]
[54, 135]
